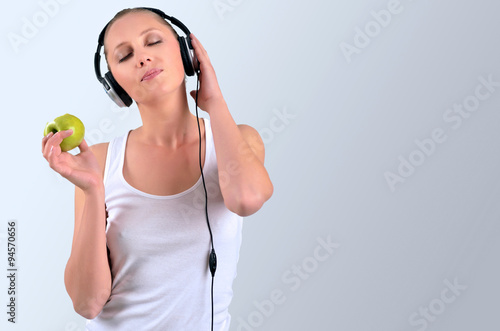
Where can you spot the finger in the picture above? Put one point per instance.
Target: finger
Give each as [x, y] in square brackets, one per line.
[55, 140]
[45, 139]
[201, 53]
[46, 144]
[198, 43]
[59, 136]
[55, 161]
[83, 146]
[53, 153]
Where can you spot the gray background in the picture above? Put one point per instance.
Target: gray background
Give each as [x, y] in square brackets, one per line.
[354, 118]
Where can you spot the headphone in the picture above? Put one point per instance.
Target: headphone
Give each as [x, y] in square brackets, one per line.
[122, 99]
[115, 91]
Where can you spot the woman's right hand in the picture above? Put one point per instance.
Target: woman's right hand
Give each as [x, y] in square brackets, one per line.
[82, 169]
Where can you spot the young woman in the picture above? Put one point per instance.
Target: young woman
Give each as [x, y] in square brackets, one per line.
[139, 257]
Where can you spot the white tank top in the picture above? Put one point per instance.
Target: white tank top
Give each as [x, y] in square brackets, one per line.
[159, 248]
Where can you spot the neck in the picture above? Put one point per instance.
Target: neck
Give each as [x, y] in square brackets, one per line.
[167, 122]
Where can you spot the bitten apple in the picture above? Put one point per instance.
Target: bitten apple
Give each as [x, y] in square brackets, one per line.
[63, 123]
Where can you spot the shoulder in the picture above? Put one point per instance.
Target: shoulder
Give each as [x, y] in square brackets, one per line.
[248, 132]
[253, 139]
[246, 128]
[100, 151]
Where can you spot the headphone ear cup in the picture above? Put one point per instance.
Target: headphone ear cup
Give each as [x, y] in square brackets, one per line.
[116, 92]
[187, 59]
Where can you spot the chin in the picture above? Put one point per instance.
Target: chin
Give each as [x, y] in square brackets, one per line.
[157, 94]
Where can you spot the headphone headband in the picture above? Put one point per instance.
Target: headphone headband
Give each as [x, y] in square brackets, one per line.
[160, 13]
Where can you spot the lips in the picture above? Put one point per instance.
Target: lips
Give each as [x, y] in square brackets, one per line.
[150, 74]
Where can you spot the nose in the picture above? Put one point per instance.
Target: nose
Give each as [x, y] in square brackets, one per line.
[142, 60]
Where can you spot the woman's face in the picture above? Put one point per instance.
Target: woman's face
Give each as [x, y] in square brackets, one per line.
[137, 43]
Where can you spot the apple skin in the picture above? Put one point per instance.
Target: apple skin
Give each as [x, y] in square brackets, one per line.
[63, 123]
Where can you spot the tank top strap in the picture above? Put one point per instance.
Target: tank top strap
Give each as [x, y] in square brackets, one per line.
[113, 157]
[210, 159]
[106, 164]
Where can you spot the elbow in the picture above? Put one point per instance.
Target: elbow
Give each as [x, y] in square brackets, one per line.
[248, 204]
[91, 307]
[82, 307]
[87, 310]
[85, 313]
[87, 303]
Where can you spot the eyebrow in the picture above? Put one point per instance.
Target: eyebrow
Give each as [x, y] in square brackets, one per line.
[142, 33]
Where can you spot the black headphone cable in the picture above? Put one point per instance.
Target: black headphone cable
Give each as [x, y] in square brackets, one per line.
[212, 260]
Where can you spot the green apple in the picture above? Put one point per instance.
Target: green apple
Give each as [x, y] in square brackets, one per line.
[63, 123]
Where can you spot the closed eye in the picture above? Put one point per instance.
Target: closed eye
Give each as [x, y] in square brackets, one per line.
[125, 58]
[130, 54]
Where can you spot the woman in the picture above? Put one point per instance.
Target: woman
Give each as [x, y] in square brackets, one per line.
[140, 195]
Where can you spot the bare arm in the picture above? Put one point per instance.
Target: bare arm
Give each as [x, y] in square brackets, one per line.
[240, 160]
[244, 181]
[87, 275]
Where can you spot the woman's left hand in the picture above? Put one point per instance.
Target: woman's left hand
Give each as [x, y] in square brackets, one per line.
[209, 92]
